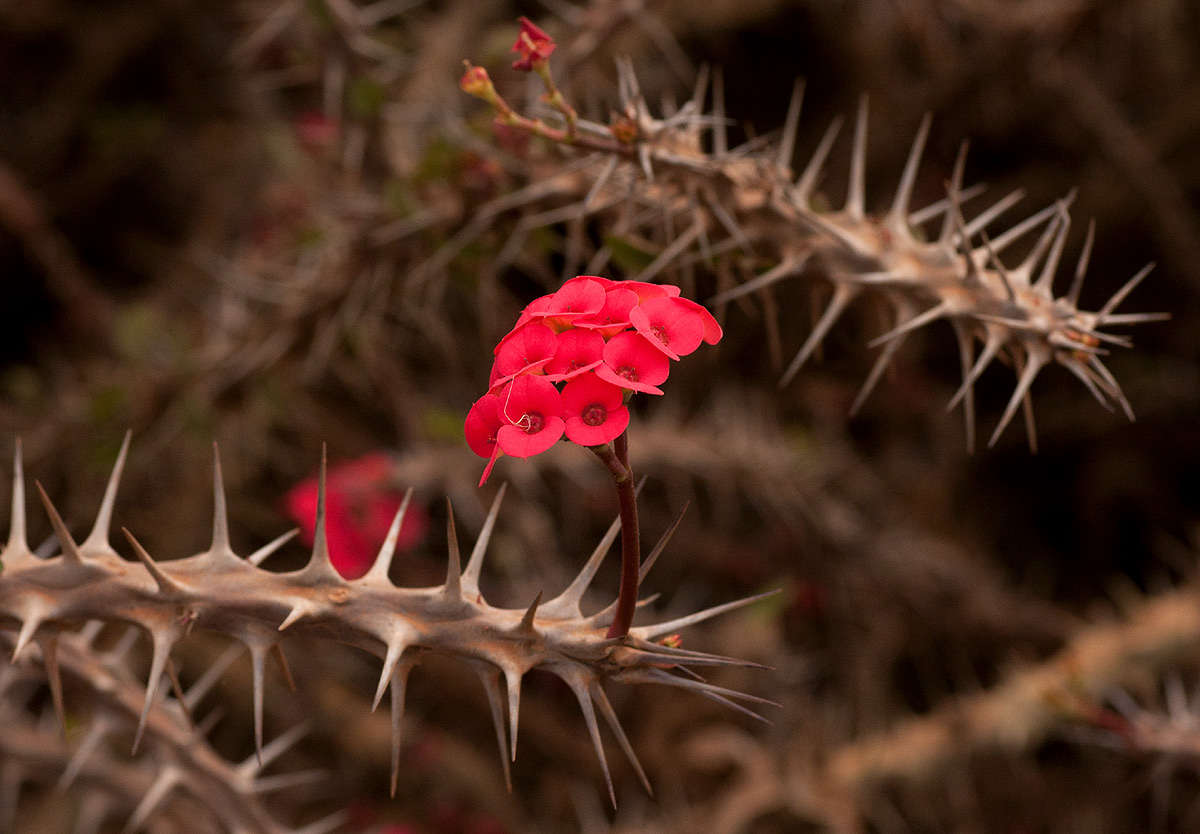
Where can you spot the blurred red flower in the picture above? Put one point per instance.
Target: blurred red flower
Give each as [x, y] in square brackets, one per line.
[361, 498]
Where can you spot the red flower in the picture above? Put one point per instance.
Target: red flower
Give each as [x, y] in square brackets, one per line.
[360, 502]
[631, 362]
[669, 325]
[531, 410]
[481, 427]
[533, 45]
[613, 317]
[712, 330]
[578, 351]
[645, 290]
[578, 298]
[595, 410]
[524, 352]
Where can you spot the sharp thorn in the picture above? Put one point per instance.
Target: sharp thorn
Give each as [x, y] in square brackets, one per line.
[1081, 267]
[1030, 372]
[661, 544]
[470, 577]
[843, 294]
[165, 584]
[787, 144]
[916, 322]
[70, 552]
[856, 191]
[383, 562]
[97, 540]
[614, 724]
[453, 587]
[259, 556]
[908, 179]
[808, 179]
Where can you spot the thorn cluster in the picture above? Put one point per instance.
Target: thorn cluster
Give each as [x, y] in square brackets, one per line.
[655, 172]
[220, 591]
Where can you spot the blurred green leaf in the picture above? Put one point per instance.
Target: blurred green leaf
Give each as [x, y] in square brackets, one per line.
[627, 255]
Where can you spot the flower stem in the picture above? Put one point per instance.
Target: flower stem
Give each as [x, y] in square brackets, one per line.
[617, 461]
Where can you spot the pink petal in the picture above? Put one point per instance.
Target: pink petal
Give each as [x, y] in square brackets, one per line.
[520, 444]
[613, 317]
[631, 362]
[578, 350]
[578, 431]
[712, 330]
[670, 326]
[483, 421]
[531, 344]
[587, 390]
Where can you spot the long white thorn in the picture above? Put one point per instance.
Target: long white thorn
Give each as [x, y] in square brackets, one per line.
[904, 309]
[856, 191]
[453, 587]
[49, 647]
[220, 547]
[991, 347]
[399, 688]
[97, 540]
[1045, 280]
[1009, 236]
[566, 604]
[166, 584]
[383, 562]
[916, 322]
[96, 734]
[470, 577]
[787, 143]
[899, 214]
[1033, 365]
[258, 661]
[966, 349]
[843, 294]
[980, 221]
[489, 676]
[162, 642]
[649, 632]
[955, 198]
[273, 750]
[614, 724]
[319, 566]
[1121, 294]
[167, 779]
[1081, 371]
[661, 545]
[1113, 385]
[784, 269]
[808, 179]
[401, 639]
[327, 824]
[512, 683]
[70, 552]
[263, 553]
[204, 684]
[1081, 266]
[33, 617]
[580, 683]
[18, 544]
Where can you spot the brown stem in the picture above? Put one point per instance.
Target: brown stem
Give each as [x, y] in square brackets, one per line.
[617, 462]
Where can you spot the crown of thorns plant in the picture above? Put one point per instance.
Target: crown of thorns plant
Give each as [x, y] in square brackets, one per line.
[647, 171]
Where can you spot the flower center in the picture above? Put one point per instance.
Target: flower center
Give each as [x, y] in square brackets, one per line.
[531, 422]
[660, 333]
[629, 372]
[594, 415]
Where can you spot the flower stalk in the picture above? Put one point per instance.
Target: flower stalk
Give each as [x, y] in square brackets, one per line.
[616, 458]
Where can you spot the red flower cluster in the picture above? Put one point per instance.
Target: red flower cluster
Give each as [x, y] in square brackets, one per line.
[361, 499]
[603, 339]
[533, 45]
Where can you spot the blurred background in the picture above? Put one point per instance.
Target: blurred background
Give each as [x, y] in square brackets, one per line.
[278, 223]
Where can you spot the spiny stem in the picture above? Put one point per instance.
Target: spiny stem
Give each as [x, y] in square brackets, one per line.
[616, 458]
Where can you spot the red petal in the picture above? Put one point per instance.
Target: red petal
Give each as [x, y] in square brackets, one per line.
[520, 444]
[483, 421]
[670, 326]
[712, 330]
[580, 432]
[529, 345]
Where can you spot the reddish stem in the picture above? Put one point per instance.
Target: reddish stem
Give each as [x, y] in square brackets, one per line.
[617, 461]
